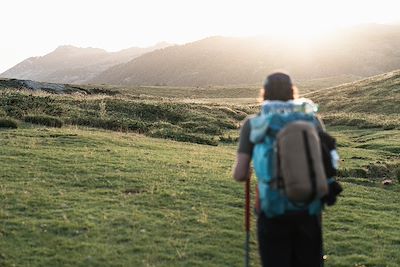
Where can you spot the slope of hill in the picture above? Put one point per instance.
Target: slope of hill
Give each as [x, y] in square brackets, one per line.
[69, 64]
[378, 94]
[77, 196]
[374, 101]
[361, 51]
[201, 115]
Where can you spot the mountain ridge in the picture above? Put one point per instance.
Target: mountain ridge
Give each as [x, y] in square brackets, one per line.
[360, 51]
[71, 64]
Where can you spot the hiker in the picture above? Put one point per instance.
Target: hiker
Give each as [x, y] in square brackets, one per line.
[289, 232]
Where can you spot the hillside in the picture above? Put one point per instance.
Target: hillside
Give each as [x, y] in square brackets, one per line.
[360, 51]
[69, 64]
[199, 115]
[377, 94]
[152, 202]
[371, 102]
[151, 116]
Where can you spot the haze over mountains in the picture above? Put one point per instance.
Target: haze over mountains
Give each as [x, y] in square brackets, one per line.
[360, 51]
[70, 64]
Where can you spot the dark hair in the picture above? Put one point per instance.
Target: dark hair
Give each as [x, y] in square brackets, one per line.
[278, 86]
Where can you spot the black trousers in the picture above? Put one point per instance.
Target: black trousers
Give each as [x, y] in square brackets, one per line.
[293, 240]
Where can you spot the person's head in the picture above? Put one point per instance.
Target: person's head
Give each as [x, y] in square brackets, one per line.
[278, 86]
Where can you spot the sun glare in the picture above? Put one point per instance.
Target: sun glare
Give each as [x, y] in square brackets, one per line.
[310, 19]
[119, 24]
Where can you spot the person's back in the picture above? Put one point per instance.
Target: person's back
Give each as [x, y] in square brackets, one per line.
[289, 233]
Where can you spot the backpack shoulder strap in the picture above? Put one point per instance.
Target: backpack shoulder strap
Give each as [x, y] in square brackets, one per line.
[258, 127]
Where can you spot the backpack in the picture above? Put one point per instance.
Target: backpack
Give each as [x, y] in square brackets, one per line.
[300, 168]
[287, 158]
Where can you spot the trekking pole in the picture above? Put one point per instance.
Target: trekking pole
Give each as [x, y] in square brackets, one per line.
[247, 222]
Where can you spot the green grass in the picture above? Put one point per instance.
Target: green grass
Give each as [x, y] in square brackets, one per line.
[87, 197]
[8, 123]
[44, 120]
[375, 95]
[362, 120]
[363, 228]
[370, 103]
[368, 153]
[232, 94]
[90, 198]
[155, 117]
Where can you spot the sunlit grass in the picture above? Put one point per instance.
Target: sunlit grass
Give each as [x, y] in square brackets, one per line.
[87, 197]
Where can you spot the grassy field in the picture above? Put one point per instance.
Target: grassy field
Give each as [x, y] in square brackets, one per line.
[113, 195]
[92, 198]
[233, 94]
[88, 197]
[185, 114]
[152, 116]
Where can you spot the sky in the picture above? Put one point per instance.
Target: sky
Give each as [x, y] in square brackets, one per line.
[36, 27]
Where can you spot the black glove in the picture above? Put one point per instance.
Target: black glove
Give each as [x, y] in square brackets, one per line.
[334, 190]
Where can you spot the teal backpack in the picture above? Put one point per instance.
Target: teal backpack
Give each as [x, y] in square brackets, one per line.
[274, 116]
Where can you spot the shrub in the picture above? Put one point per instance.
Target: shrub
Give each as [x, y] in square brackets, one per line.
[208, 129]
[377, 171]
[183, 137]
[114, 124]
[228, 139]
[362, 120]
[44, 120]
[199, 126]
[389, 127]
[164, 118]
[18, 105]
[353, 172]
[14, 111]
[149, 111]
[108, 124]
[189, 124]
[8, 123]
[396, 173]
[234, 113]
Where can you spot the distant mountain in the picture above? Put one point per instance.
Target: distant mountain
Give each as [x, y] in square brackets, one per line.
[359, 51]
[69, 64]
